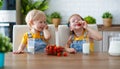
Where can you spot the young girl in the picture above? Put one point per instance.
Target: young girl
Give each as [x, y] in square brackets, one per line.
[80, 31]
[36, 20]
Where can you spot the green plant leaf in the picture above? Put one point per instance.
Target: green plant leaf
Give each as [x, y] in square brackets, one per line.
[107, 15]
[1, 3]
[43, 8]
[90, 19]
[49, 19]
[37, 4]
[5, 44]
[55, 15]
[27, 5]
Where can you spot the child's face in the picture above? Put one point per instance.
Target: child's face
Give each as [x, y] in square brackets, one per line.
[39, 24]
[75, 23]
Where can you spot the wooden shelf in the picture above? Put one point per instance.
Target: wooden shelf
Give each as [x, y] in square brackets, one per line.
[112, 28]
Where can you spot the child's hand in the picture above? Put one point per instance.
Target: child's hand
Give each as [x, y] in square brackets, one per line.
[72, 50]
[46, 26]
[84, 24]
[18, 52]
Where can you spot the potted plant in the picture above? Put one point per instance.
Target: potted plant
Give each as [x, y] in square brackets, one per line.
[56, 18]
[90, 20]
[27, 5]
[107, 19]
[5, 46]
[1, 3]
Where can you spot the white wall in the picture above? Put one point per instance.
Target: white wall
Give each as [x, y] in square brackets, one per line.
[94, 8]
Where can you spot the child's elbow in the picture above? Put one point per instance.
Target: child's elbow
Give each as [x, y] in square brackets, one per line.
[48, 37]
[100, 38]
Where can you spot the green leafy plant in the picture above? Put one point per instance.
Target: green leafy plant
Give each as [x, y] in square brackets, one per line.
[5, 44]
[55, 15]
[27, 5]
[49, 19]
[90, 19]
[1, 3]
[107, 15]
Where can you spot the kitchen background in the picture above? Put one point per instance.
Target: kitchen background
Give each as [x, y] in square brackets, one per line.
[7, 17]
[94, 8]
[66, 8]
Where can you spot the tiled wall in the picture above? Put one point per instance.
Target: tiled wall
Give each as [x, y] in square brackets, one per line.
[7, 15]
[94, 8]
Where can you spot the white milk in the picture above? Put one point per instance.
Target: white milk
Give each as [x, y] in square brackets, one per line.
[86, 49]
[31, 49]
[57, 39]
[114, 48]
[31, 43]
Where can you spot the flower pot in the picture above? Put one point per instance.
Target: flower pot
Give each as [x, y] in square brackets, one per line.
[56, 21]
[2, 60]
[107, 22]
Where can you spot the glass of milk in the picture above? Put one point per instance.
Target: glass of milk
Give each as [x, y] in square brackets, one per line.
[114, 47]
[31, 43]
[86, 47]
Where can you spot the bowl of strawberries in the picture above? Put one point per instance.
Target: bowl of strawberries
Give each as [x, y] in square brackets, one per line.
[55, 50]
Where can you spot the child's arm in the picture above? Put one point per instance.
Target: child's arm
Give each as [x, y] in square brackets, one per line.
[20, 49]
[92, 33]
[22, 44]
[46, 32]
[67, 47]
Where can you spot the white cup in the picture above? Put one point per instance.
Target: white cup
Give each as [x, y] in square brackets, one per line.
[31, 50]
[31, 43]
[86, 48]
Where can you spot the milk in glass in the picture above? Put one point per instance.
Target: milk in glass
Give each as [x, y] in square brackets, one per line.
[114, 47]
[86, 49]
[31, 43]
[86, 44]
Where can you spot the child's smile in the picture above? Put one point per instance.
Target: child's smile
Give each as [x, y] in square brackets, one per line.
[78, 24]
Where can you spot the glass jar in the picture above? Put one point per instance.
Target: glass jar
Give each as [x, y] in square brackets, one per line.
[114, 45]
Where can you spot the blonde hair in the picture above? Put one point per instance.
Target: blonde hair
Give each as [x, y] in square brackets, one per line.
[34, 15]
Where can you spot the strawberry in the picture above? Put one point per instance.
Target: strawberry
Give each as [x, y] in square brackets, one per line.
[47, 47]
[65, 54]
[58, 54]
[55, 50]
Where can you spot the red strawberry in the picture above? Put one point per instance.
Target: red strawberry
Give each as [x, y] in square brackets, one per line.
[47, 47]
[58, 54]
[55, 48]
[50, 48]
[65, 54]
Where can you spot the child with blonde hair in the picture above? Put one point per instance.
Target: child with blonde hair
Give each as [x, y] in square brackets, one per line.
[36, 20]
[80, 32]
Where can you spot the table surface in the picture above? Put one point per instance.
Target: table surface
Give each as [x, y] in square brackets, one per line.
[72, 61]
